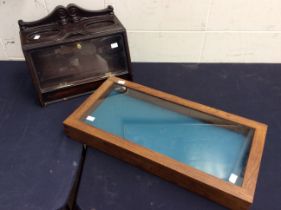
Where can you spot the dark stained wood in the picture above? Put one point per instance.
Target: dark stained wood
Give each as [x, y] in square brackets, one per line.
[65, 26]
[225, 193]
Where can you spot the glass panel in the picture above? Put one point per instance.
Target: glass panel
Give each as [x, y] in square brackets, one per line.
[80, 62]
[210, 144]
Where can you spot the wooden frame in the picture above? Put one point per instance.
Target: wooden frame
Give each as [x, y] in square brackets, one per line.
[220, 191]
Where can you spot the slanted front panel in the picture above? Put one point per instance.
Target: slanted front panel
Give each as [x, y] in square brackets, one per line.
[80, 62]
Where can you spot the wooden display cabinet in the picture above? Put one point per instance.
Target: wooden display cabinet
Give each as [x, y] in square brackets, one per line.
[72, 51]
[208, 151]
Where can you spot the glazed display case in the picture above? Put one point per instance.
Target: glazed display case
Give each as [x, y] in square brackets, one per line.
[72, 51]
[205, 150]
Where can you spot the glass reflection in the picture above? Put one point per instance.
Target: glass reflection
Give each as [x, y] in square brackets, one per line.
[212, 145]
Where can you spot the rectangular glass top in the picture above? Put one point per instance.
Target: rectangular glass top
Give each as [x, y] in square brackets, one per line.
[207, 143]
